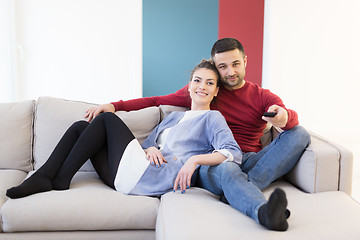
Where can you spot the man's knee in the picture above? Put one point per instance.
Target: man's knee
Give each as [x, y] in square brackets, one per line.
[302, 135]
[230, 171]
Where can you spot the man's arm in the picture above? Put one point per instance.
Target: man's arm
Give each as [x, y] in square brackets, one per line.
[285, 118]
[179, 98]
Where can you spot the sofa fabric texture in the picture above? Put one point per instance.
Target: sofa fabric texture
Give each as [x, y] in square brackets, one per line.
[54, 116]
[16, 135]
[317, 188]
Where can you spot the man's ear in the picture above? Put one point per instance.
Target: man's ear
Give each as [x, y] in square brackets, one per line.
[245, 61]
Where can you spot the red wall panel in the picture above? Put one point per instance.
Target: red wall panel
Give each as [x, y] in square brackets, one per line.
[244, 20]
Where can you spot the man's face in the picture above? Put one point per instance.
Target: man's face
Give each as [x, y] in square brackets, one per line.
[231, 66]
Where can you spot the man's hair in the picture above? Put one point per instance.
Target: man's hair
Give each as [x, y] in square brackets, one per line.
[208, 64]
[226, 44]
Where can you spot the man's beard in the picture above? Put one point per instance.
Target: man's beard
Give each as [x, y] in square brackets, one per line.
[231, 84]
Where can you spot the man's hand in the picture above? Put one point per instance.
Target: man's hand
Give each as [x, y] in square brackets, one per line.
[281, 118]
[155, 156]
[93, 112]
[183, 178]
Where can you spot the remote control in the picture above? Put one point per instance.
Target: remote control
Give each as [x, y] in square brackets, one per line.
[269, 114]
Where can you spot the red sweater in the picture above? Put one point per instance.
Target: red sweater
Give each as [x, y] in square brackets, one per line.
[242, 109]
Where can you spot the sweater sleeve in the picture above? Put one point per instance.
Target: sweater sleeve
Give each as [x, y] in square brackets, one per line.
[223, 139]
[272, 99]
[180, 98]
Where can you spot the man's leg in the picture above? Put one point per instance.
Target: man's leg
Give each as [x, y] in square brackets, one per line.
[276, 159]
[227, 179]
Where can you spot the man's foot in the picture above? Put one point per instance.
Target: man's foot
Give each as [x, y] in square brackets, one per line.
[34, 184]
[273, 215]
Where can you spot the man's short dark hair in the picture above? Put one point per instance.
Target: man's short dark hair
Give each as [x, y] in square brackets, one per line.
[226, 44]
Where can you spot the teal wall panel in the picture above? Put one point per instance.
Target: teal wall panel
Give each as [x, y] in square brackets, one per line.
[176, 36]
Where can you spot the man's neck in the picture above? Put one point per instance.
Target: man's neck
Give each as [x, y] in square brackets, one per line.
[240, 85]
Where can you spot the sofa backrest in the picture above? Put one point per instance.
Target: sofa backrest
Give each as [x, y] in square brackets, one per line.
[16, 120]
[53, 116]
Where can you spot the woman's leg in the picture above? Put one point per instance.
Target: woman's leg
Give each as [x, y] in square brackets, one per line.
[40, 181]
[107, 131]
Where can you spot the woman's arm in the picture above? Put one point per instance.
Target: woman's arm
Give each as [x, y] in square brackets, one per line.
[183, 178]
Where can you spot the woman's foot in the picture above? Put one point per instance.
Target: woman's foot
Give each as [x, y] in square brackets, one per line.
[34, 184]
[59, 184]
[273, 215]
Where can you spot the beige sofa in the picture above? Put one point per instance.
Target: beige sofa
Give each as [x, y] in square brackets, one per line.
[318, 189]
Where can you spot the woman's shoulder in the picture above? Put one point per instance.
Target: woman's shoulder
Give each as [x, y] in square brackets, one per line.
[215, 116]
[175, 113]
[215, 113]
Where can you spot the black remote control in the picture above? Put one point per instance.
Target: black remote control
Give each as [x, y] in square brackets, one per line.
[269, 114]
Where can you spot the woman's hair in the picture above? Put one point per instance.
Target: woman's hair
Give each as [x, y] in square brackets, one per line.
[225, 45]
[208, 64]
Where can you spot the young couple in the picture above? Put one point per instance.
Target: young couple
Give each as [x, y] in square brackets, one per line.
[172, 153]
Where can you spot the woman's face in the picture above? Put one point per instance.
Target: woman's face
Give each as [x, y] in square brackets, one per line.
[203, 88]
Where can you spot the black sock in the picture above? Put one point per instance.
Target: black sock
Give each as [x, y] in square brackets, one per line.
[273, 215]
[34, 184]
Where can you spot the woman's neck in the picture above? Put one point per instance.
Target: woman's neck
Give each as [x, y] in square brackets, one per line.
[197, 107]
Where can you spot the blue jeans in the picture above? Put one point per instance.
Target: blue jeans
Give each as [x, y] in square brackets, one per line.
[242, 185]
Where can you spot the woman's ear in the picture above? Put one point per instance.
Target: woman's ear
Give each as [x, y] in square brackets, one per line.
[216, 92]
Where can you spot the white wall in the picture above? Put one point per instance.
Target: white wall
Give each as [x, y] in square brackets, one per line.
[89, 50]
[6, 85]
[311, 59]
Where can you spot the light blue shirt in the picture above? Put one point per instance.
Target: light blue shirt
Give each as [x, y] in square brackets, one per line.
[199, 135]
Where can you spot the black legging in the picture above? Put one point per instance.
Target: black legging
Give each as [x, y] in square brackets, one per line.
[103, 141]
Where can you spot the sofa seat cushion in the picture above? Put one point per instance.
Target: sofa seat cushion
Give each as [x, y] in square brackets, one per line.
[88, 205]
[327, 215]
[9, 178]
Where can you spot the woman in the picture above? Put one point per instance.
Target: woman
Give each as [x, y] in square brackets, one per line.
[171, 154]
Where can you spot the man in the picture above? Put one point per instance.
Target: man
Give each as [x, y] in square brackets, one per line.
[243, 104]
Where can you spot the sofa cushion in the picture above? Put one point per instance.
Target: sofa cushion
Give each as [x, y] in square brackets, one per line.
[317, 169]
[8, 179]
[53, 116]
[87, 205]
[327, 215]
[167, 109]
[16, 135]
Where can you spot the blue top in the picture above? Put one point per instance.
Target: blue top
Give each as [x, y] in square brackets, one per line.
[200, 135]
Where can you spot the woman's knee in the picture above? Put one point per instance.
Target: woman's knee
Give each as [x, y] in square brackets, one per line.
[79, 125]
[106, 115]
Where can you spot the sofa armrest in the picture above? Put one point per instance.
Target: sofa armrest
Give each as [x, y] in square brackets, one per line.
[324, 166]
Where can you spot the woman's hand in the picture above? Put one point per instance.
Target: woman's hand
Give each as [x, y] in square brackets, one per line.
[183, 178]
[155, 156]
[93, 112]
